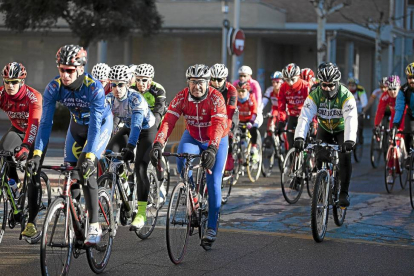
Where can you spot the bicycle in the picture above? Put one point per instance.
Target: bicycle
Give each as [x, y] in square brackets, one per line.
[273, 149]
[379, 146]
[187, 210]
[19, 211]
[326, 190]
[65, 230]
[410, 177]
[393, 164]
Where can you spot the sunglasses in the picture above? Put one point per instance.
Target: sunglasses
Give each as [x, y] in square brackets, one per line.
[142, 80]
[217, 79]
[277, 81]
[121, 84]
[395, 89]
[330, 85]
[294, 79]
[14, 82]
[242, 90]
[69, 71]
[197, 82]
[243, 76]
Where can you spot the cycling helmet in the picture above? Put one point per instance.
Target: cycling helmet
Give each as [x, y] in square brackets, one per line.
[219, 71]
[291, 70]
[245, 70]
[352, 81]
[14, 70]
[409, 70]
[307, 74]
[199, 71]
[243, 85]
[328, 72]
[101, 71]
[383, 81]
[393, 81]
[72, 55]
[145, 70]
[276, 75]
[120, 73]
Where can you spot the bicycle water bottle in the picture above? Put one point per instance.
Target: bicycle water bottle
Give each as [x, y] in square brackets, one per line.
[13, 185]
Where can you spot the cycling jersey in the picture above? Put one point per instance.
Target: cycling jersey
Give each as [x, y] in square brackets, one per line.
[404, 97]
[334, 115]
[133, 111]
[24, 110]
[87, 106]
[292, 98]
[271, 95]
[386, 102]
[206, 119]
[360, 98]
[255, 90]
[247, 109]
[230, 96]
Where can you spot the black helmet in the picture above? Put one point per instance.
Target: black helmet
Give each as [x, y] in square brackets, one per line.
[72, 55]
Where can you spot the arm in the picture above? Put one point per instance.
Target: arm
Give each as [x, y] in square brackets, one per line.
[266, 97]
[137, 105]
[257, 92]
[35, 113]
[350, 113]
[307, 114]
[281, 98]
[218, 118]
[380, 111]
[231, 101]
[159, 106]
[399, 107]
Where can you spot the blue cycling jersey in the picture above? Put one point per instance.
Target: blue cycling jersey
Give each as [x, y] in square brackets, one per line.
[87, 106]
[133, 111]
[404, 97]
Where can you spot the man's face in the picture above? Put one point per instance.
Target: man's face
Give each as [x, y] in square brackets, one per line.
[244, 77]
[68, 74]
[119, 89]
[217, 82]
[198, 87]
[410, 80]
[393, 91]
[143, 83]
[12, 86]
[352, 86]
[291, 81]
[277, 83]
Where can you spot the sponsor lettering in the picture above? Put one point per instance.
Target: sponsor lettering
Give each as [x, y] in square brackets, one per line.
[32, 134]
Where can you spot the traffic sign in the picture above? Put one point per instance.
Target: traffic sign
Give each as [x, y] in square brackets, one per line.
[238, 42]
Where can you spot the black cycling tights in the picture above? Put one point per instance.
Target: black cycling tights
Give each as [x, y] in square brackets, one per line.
[345, 167]
[292, 122]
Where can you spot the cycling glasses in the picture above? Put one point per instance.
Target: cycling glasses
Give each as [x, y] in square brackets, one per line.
[69, 71]
[142, 80]
[197, 82]
[217, 79]
[14, 82]
[242, 76]
[121, 84]
[330, 85]
[242, 90]
[395, 88]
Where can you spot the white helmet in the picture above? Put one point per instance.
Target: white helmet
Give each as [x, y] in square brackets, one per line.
[145, 70]
[101, 71]
[199, 71]
[219, 71]
[245, 70]
[120, 73]
[291, 70]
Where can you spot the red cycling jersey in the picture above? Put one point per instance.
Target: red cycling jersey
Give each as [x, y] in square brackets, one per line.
[231, 102]
[206, 120]
[24, 110]
[293, 97]
[387, 101]
[247, 109]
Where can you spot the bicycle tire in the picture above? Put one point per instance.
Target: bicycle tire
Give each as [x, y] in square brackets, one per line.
[268, 156]
[375, 151]
[3, 213]
[254, 168]
[339, 213]
[291, 192]
[411, 181]
[389, 172]
[179, 205]
[167, 175]
[57, 209]
[226, 185]
[320, 200]
[358, 151]
[153, 206]
[106, 181]
[238, 162]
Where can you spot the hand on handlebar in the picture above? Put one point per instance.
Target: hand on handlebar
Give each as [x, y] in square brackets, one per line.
[156, 153]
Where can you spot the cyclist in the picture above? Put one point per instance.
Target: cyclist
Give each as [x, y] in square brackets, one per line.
[247, 106]
[292, 95]
[377, 93]
[219, 73]
[23, 106]
[271, 94]
[101, 72]
[132, 83]
[89, 129]
[361, 101]
[337, 116]
[308, 75]
[138, 130]
[204, 110]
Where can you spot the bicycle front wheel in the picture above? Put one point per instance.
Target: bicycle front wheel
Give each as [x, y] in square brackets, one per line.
[98, 256]
[389, 173]
[106, 181]
[376, 151]
[254, 164]
[226, 185]
[268, 156]
[178, 223]
[57, 239]
[153, 205]
[292, 184]
[3, 212]
[339, 213]
[411, 180]
[320, 206]
[358, 150]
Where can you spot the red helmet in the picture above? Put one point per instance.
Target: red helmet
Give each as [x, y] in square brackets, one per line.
[72, 55]
[243, 85]
[14, 70]
[307, 74]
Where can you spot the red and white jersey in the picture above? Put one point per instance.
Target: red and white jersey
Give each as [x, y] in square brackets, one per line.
[387, 101]
[292, 98]
[206, 120]
[24, 110]
[247, 109]
[271, 95]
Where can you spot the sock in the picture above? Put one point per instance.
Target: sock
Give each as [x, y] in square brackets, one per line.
[142, 209]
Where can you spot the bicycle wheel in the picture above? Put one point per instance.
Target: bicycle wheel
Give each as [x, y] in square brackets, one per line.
[254, 166]
[376, 151]
[411, 180]
[389, 172]
[238, 162]
[153, 205]
[178, 223]
[226, 185]
[98, 255]
[268, 156]
[57, 239]
[3, 212]
[292, 185]
[106, 181]
[320, 206]
[167, 175]
[339, 213]
[358, 150]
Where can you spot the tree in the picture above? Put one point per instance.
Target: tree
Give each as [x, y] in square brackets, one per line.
[89, 20]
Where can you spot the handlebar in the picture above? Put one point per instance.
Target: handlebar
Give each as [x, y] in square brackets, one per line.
[112, 154]
[323, 144]
[61, 168]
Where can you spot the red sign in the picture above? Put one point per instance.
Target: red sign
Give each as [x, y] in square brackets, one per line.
[238, 42]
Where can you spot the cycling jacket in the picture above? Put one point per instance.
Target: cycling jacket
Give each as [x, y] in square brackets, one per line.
[292, 98]
[248, 109]
[24, 110]
[404, 97]
[133, 111]
[206, 120]
[386, 102]
[87, 106]
[230, 96]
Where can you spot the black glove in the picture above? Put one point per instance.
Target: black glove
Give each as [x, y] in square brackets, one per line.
[156, 153]
[128, 153]
[376, 131]
[34, 164]
[299, 144]
[348, 146]
[280, 127]
[88, 168]
[208, 157]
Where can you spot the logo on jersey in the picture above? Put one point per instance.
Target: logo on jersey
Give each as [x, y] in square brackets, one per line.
[76, 150]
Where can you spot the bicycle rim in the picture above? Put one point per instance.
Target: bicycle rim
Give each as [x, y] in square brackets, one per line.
[411, 178]
[178, 223]
[376, 152]
[320, 206]
[237, 164]
[358, 151]
[226, 185]
[338, 212]
[254, 168]
[3, 212]
[57, 240]
[268, 157]
[292, 186]
[98, 255]
[153, 206]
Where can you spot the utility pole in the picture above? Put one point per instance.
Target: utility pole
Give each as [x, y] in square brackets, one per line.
[226, 24]
[236, 25]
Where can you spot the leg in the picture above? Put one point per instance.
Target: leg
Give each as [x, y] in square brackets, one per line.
[345, 172]
[291, 125]
[189, 145]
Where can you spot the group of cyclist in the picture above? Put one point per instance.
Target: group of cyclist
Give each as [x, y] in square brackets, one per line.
[122, 109]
